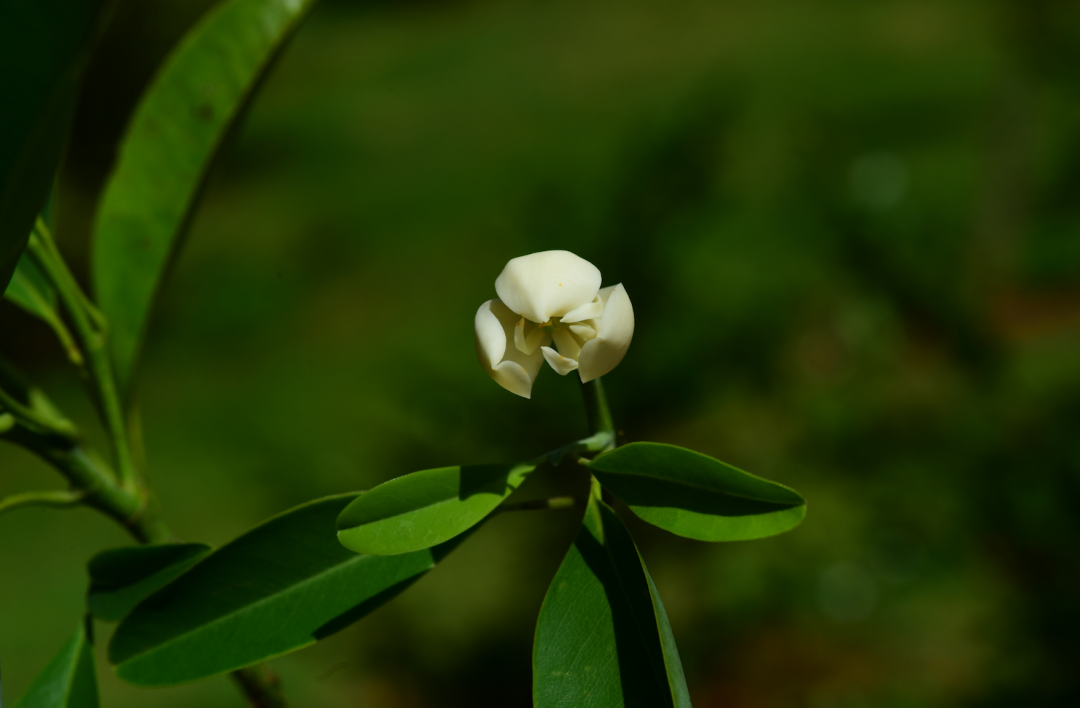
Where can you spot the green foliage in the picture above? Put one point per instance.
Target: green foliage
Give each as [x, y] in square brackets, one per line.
[603, 638]
[696, 496]
[31, 291]
[69, 681]
[281, 586]
[177, 130]
[43, 46]
[121, 577]
[424, 508]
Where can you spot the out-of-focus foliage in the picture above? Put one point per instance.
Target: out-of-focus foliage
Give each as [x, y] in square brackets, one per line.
[853, 239]
[43, 49]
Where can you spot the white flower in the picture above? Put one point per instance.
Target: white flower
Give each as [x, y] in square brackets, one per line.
[552, 296]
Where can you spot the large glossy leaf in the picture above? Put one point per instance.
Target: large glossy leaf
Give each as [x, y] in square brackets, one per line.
[277, 588]
[121, 577]
[69, 681]
[603, 638]
[43, 47]
[424, 508]
[176, 131]
[696, 496]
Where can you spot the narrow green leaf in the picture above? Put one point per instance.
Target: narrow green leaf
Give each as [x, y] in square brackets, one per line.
[121, 577]
[280, 587]
[696, 496]
[69, 681]
[43, 47]
[31, 291]
[177, 130]
[603, 637]
[424, 508]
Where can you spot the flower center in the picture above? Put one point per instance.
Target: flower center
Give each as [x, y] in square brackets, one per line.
[569, 337]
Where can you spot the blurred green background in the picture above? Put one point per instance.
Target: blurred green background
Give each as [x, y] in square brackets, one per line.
[851, 233]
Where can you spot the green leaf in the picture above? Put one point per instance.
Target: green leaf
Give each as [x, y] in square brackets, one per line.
[177, 129]
[279, 587]
[603, 637]
[424, 508]
[696, 496]
[43, 47]
[121, 577]
[69, 681]
[31, 291]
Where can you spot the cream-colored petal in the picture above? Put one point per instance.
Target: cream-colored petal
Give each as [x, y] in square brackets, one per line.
[548, 284]
[568, 346]
[528, 336]
[617, 322]
[583, 331]
[490, 337]
[512, 369]
[560, 363]
[513, 377]
[588, 311]
[602, 354]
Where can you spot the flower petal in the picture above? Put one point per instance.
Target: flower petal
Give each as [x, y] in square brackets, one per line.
[548, 284]
[512, 369]
[601, 355]
[588, 311]
[490, 338]
[568, 345]
[560, 363]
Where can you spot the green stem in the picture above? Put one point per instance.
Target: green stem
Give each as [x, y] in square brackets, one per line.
[58, 498]
[597, 410]
[91, 477]
[543, 504]
[92, 335]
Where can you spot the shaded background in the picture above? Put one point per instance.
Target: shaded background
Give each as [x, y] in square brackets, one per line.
[851, 233]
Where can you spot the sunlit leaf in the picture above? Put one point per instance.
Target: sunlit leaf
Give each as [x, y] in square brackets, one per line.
[282, 586]
[696, 496]
[43, 47]
[121, 577]
[69, 680]
[603, 637]
[177, 130]
[424, 508]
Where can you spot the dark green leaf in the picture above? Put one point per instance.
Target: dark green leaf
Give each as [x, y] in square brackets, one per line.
[121, 577]
[43, 46]
[696, 496]
[277, 588]
[177, 130]
[424, 508]
[603, 638]
[69, 681]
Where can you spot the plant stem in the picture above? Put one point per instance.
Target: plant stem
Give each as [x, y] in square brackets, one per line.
[261, 686]
[543, 504]
[60, 498]
[91, 332]
[121, 496]
[91, 478]
[597, 410]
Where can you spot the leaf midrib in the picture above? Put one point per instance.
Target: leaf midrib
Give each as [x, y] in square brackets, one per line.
[220, 619]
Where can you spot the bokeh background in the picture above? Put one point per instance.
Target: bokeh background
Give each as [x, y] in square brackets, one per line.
[851, 233]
